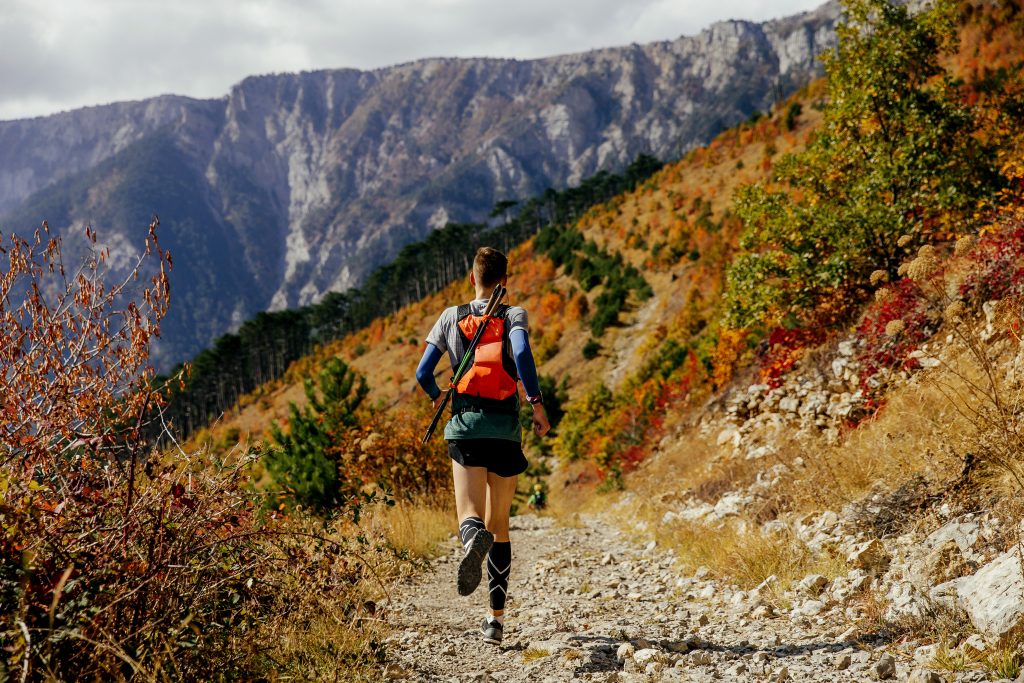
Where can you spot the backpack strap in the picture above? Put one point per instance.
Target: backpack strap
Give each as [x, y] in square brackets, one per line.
[506, 342]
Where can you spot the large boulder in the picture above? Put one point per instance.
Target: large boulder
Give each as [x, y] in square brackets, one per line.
[946, 554]
[994, 596]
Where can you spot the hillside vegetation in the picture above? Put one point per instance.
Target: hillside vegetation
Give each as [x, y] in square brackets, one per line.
[794, 353]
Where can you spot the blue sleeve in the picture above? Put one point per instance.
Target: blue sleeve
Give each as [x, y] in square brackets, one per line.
[425, 371]
[524, 361]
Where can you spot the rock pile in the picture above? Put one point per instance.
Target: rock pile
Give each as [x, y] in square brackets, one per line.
[814, 399]
[947, 564]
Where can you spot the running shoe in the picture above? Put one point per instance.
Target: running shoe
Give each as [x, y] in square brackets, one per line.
[470, 567]
[492, 630]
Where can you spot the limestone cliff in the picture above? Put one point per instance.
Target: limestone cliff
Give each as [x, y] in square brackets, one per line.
[296, 184]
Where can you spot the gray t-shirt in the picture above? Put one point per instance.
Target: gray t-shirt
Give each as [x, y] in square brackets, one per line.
[445, 332]
[445, 336]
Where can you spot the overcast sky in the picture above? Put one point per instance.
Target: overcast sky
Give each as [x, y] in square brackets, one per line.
[63, 54]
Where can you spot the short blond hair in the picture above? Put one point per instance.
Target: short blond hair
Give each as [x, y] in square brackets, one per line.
[490, 266]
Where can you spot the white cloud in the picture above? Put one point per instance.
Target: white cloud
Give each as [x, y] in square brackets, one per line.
[62, 54]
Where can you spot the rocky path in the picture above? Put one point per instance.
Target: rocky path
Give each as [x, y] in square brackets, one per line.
[587, 603]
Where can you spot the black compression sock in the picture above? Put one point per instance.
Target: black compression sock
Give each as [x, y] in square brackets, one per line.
[469, 529]
[499, 563]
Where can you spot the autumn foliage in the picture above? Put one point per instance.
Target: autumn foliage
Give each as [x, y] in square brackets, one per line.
[900, 153]
[118, 561]
[75, 349]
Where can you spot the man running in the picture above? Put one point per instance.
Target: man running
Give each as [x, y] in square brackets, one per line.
[484, 436]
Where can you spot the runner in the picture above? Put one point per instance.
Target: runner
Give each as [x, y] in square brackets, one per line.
[484, 436]
[538, 500]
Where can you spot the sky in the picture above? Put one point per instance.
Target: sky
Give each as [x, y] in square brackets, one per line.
[64, 54]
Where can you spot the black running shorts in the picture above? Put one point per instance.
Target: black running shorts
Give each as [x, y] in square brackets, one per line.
[503, 457]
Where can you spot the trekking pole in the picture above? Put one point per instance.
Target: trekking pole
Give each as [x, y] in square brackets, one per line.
[492, 304]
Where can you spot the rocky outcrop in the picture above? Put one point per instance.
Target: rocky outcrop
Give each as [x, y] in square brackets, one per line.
[941, 561]
[994, 596]
[299, 184]
[37, 153]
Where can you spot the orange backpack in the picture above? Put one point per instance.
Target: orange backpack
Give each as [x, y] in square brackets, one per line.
[493, 374]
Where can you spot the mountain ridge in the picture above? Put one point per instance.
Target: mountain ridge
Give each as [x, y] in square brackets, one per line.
[317, 177]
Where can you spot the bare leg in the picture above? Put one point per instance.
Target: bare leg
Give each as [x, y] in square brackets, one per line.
[470, 491]
[470, 504]
[500, 492]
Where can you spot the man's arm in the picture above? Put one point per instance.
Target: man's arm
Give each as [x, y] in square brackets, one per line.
[525, 366]
[527, 369]
[425, 371]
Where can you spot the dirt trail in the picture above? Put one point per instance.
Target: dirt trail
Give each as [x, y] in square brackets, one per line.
[628, 340]
[588, 603]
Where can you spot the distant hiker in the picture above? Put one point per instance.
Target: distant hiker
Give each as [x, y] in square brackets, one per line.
[484, 436]
[538, 500]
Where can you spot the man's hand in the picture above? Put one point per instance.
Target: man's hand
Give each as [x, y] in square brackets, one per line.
[540, 420]
[435, 402]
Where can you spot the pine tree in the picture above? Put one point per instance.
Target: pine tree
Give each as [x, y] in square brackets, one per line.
[304, 460]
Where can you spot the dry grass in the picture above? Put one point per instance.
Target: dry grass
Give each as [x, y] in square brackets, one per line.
[735, 551]
[925, 428]
[955, 660]
[345, 635]
[748, 558]
[1004, 662]
[532, 654]
[965, 410]
[329, 642]
[693, 463]
[917, 434]
[1000, 662]
[872, 608]
[416, 527]
[931, 440]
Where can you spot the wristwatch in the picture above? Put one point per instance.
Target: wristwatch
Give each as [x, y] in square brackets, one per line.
[535, 400]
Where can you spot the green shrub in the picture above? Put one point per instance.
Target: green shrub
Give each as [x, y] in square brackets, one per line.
[896, 155]
[792, 114]
[304, 462]
[593, 266]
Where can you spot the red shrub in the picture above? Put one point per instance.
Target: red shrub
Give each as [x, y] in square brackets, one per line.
[881, 350]
[784, 348]
[998, 261]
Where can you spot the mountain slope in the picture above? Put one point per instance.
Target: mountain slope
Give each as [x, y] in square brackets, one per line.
[673, 209]
[859, 488]
[127, 190]
[315, 178]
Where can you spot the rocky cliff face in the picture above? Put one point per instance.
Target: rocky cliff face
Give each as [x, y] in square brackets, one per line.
[297, 184]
